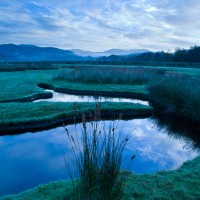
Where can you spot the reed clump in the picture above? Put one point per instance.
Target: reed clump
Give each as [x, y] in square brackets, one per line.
[177, 95]
[98, 157]
[110, 75]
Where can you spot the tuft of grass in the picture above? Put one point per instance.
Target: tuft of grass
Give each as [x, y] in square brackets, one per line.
[98, 157]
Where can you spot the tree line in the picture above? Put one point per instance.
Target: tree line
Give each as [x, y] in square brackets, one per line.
[180, 55]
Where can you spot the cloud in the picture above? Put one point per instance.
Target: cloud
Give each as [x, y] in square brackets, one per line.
[100, 25]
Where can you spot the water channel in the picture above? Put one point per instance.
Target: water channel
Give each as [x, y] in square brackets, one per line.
[60, 97]
[30, 159]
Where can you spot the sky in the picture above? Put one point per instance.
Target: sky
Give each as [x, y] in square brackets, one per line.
[98, 25]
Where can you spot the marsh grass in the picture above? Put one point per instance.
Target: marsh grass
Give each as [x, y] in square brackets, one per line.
[98, 157]
[22, 66]
[110, 75]
[177, 95]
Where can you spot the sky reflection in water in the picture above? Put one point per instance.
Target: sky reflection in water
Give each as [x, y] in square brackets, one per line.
[59, 97]
[30, 159]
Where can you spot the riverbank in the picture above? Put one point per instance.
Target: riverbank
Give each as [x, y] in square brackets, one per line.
[29, 85]
[183, 183]
[134, 94]
[23, 117]
[21, 87]
[24, 84]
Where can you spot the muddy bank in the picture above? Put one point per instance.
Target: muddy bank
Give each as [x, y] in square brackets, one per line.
[134, 95]
[45, 95]
[63, 119]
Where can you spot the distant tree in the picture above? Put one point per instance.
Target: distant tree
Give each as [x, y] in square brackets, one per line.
[180, 55]
[194, 54]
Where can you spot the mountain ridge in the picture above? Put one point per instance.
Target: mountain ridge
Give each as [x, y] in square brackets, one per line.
[109, 52]
[29, 52]
[26, 52]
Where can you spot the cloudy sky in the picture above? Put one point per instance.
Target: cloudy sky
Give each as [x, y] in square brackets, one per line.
[99, 25]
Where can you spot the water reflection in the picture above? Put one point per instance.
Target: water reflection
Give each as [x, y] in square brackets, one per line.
[180, 129]
[59, 97]
[31, 159]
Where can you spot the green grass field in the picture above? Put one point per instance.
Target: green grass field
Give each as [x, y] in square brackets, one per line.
[16, 85]
[183, 183]
[23, 84]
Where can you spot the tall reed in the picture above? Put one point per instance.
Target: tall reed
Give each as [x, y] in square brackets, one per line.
[98, 157]
[177, 95]
[110, 75]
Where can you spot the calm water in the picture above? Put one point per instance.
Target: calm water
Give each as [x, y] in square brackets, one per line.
[31, 159]
[59, 97]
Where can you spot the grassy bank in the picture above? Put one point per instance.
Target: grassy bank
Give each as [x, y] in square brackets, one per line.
[23, 84]
[180, 96]
[32, 116]
[183, 183]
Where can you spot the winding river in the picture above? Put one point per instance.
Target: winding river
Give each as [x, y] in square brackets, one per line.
[60, 97]
[30, 159]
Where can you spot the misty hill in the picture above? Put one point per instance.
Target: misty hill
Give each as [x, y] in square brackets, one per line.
[12, 52]
[118, 52]
[24, 52]
[2, 56]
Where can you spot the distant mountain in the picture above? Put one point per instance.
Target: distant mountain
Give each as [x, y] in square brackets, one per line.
[25, 52]
[118, 52]
[12, 52]
[2, 56]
